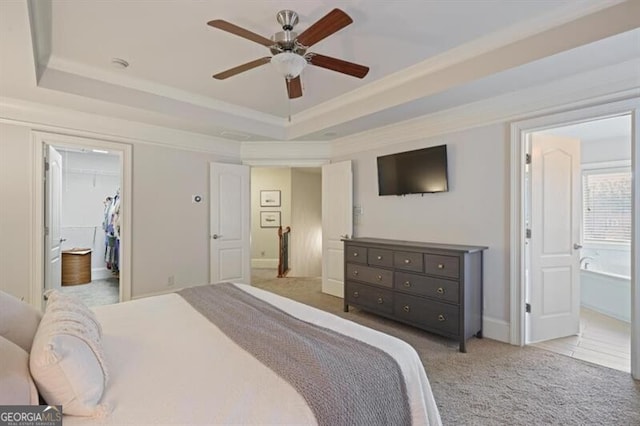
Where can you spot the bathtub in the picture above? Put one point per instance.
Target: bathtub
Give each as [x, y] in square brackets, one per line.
[606, 293]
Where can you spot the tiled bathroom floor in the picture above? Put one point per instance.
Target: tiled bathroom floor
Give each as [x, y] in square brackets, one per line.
[602, 340]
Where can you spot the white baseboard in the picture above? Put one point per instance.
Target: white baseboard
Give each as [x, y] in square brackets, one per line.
[264, 263]
[495, 329]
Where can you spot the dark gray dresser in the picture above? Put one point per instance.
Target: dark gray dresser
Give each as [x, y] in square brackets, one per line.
[436, 287]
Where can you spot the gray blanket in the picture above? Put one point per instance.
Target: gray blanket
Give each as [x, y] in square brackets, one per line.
[344, 381]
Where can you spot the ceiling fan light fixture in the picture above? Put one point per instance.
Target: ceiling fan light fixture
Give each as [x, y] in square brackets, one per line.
[289, 64]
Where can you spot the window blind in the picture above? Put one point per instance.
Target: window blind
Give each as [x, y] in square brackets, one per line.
[606, 199]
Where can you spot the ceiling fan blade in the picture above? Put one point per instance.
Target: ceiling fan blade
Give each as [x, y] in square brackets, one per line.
[242, 68]
[338, 65]
[324, 27]
[241, 32]
[294, 87]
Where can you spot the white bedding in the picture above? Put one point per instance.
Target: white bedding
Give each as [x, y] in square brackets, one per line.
[169, 365]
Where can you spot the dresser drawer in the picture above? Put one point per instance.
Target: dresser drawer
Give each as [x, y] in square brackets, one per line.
[407, 260]
[445, 266]
[427, 286]
[367, 274]
[356, 254]
[368, 296]
[427, 313]
[378, 257]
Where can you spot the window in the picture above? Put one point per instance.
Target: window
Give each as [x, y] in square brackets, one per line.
[606, 195]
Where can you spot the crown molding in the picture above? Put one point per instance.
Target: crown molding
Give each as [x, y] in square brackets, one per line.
[59, 120]
[285, 153]
[604, 84]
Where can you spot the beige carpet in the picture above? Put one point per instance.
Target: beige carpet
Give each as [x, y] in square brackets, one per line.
[494, 383]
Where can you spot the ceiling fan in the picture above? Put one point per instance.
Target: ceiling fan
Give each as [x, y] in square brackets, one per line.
[289, 48]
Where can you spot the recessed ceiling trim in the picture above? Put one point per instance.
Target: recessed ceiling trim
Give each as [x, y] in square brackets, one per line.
[445, 71]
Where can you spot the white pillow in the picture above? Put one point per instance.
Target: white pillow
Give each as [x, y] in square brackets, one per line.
[67, 361]
[18, 320]
[56, 300]
[16, 384]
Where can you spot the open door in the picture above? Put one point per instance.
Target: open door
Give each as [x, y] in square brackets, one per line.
[337, 223]
[555, 238]
[230, 223]
[53, 212]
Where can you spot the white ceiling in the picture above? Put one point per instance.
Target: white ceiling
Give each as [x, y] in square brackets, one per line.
[60, 52]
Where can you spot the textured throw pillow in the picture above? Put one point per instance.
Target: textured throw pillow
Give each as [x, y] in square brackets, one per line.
[67, 361]
[18, 320]
[16, 384]
[58, 301]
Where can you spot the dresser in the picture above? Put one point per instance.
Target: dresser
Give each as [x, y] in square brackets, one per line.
[435, 287]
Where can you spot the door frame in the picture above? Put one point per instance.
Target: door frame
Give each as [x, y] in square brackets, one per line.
[519, 135]
[39, 140]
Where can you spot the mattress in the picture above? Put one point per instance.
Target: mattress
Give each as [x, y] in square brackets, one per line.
[168, 364]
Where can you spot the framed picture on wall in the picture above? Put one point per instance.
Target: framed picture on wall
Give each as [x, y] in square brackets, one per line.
[270, 198]
[269, 219]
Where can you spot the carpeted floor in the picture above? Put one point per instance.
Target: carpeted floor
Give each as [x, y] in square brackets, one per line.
[494, 383]
[97, 292]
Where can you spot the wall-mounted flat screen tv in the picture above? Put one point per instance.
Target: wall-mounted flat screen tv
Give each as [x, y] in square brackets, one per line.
[413, 172]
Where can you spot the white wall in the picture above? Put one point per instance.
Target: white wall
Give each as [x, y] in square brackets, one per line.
[264, 241]
[15, 208]
[169, 232]
[475, 210]
[306, 222]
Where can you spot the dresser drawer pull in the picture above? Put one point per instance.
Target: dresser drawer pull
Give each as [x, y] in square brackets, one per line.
[355, 272]
[440, 290]
[407, 261]
[380, 300]
[406, 308]
[379, 258]
[355, 254]
[379, 277]
[441, 318]
[356, 294]
[440, 266]
[407, 284]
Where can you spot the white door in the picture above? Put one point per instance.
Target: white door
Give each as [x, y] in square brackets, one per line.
[337, 223]
[53, 209]
[555, 238]
[230, 222]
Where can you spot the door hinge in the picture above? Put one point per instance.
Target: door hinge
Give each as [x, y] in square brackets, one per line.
[527, 308]
[527, 159]
[46, 231]
[46, 166]
[528, 233]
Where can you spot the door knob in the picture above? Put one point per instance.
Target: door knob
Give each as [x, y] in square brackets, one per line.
[577, 246]
[345, 236]
[62, 240]
[216, 236]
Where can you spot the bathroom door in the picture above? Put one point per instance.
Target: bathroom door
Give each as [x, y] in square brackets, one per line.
[556, 200]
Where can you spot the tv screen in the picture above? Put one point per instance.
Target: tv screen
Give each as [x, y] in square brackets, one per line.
[413, 172]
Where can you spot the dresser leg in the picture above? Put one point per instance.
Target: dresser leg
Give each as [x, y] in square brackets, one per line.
[346, 307]
[463, 346]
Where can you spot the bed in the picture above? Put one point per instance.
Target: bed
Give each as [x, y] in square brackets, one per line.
[170, 364]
